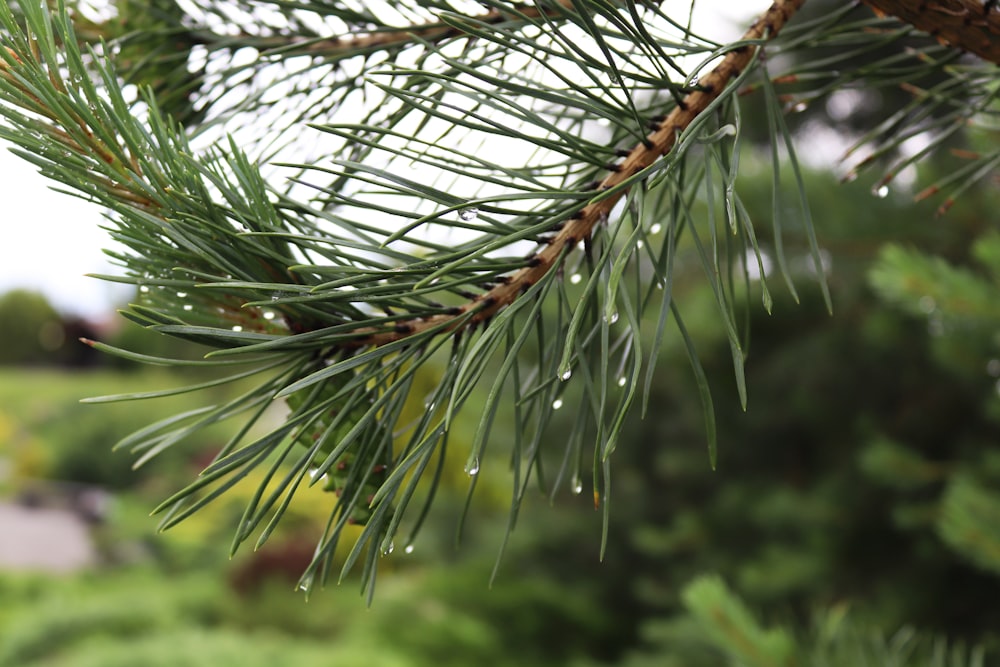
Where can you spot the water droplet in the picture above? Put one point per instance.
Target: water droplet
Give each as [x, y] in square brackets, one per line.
[408, 549]
[577, 485]
[639, 244]
[389, 549]
[268, 314]
[181, 295]
[656, 229]
[611, 318]
[566, 374]
[188, 306]
[881, 192]
[276, 296]
[575, 279]
[237, 328]
[144, 289]
[556, 404]
[472, 467]
[468, 214]
[621, 381]
[800, 107]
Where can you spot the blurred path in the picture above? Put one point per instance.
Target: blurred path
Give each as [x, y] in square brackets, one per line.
[43, 539]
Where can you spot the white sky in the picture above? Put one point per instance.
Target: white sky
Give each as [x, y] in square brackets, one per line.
[50, 239]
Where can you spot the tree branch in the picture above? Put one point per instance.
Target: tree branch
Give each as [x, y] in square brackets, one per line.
[656, 145]
[966, 24]
[385, 39]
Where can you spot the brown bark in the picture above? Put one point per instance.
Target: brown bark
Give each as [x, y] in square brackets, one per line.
[966, 24]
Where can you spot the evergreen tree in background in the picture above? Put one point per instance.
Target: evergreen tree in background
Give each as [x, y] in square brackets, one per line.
[32, 331]
[338, 199]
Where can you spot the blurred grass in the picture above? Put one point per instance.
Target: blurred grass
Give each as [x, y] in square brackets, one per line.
[46, 432]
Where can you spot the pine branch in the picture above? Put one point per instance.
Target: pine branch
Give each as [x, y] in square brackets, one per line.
[359, 318]
[152, 181]
[387, 38]
[365, 302]
[610, 189]
[970, 25]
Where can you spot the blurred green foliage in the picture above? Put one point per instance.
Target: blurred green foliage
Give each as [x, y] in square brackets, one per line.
[50, 434]
[851, 520]
[32, 329]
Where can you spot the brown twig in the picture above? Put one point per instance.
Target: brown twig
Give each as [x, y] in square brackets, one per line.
[657, 144]
[384, 39]
[966, 24]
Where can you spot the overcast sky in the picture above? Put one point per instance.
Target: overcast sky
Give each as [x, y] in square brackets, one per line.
[51, 239]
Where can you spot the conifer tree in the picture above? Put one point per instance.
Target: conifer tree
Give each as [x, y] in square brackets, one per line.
[335, 196]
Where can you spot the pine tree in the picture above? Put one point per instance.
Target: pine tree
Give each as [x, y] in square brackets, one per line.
[337, 197]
